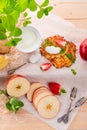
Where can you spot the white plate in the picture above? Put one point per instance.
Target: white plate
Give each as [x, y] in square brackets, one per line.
[31, 39]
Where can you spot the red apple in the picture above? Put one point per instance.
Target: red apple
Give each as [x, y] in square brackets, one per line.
[83, 50]
[18, 85]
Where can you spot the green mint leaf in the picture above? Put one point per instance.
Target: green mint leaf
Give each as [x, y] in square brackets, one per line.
[16, 32]
[4, 92]
[16, 14]
[26, 23]
[32, 5]
[2, 29]
[22, 5]
[9, 7]
[47, 10]
[14, 104]
[40, 13]
[0, 21]
[8, 22]
[3, 3]
[25, 14]
[13, 42]
[73, 71]
[9, 106]
[3, 36]
[45, 3]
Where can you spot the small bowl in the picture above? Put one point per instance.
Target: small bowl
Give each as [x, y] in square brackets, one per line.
[31, 40]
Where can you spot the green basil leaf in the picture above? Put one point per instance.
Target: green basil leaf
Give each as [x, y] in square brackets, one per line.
[13, 42]
[45, 3]
[40, 13]
[32, 5]
[16, 32]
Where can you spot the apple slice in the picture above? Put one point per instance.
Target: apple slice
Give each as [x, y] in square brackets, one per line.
[33, 87]
[48, 106]
[40, 94]
[17, 86]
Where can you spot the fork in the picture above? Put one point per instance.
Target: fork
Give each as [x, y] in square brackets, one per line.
[10, 72]
[65, 117]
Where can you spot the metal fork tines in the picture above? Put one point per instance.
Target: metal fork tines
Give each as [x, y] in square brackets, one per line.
[65, 117]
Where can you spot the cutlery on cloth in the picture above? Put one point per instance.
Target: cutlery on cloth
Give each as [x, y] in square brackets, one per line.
[79, 103]
[65, 117]
[11, 71]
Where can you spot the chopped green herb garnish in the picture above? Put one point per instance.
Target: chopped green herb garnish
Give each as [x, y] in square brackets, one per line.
[73, 71]
[69, 56]
[62, 51]
[73, 60]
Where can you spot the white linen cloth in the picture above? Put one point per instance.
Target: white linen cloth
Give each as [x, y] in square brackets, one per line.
[49, 26]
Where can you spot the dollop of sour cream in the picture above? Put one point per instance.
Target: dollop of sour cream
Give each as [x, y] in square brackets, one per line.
[53, 49]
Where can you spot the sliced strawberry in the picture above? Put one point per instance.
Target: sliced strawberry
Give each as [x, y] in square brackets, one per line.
[45, 66]
[56, 88]
[60, 43]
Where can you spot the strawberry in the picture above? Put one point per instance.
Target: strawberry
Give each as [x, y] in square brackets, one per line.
[56, 88]
[45, 66]
[60, 41]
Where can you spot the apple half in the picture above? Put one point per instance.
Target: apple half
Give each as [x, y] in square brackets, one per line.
[18, 85]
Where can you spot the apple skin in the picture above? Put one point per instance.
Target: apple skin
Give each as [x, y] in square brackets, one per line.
[11, 83]
[13, 77]
[83, 50]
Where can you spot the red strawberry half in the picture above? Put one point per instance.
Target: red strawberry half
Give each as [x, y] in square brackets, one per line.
[60, 41]
[45, 66]
[56, 88]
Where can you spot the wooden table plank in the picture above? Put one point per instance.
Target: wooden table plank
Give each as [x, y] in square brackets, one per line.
[74, 11]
